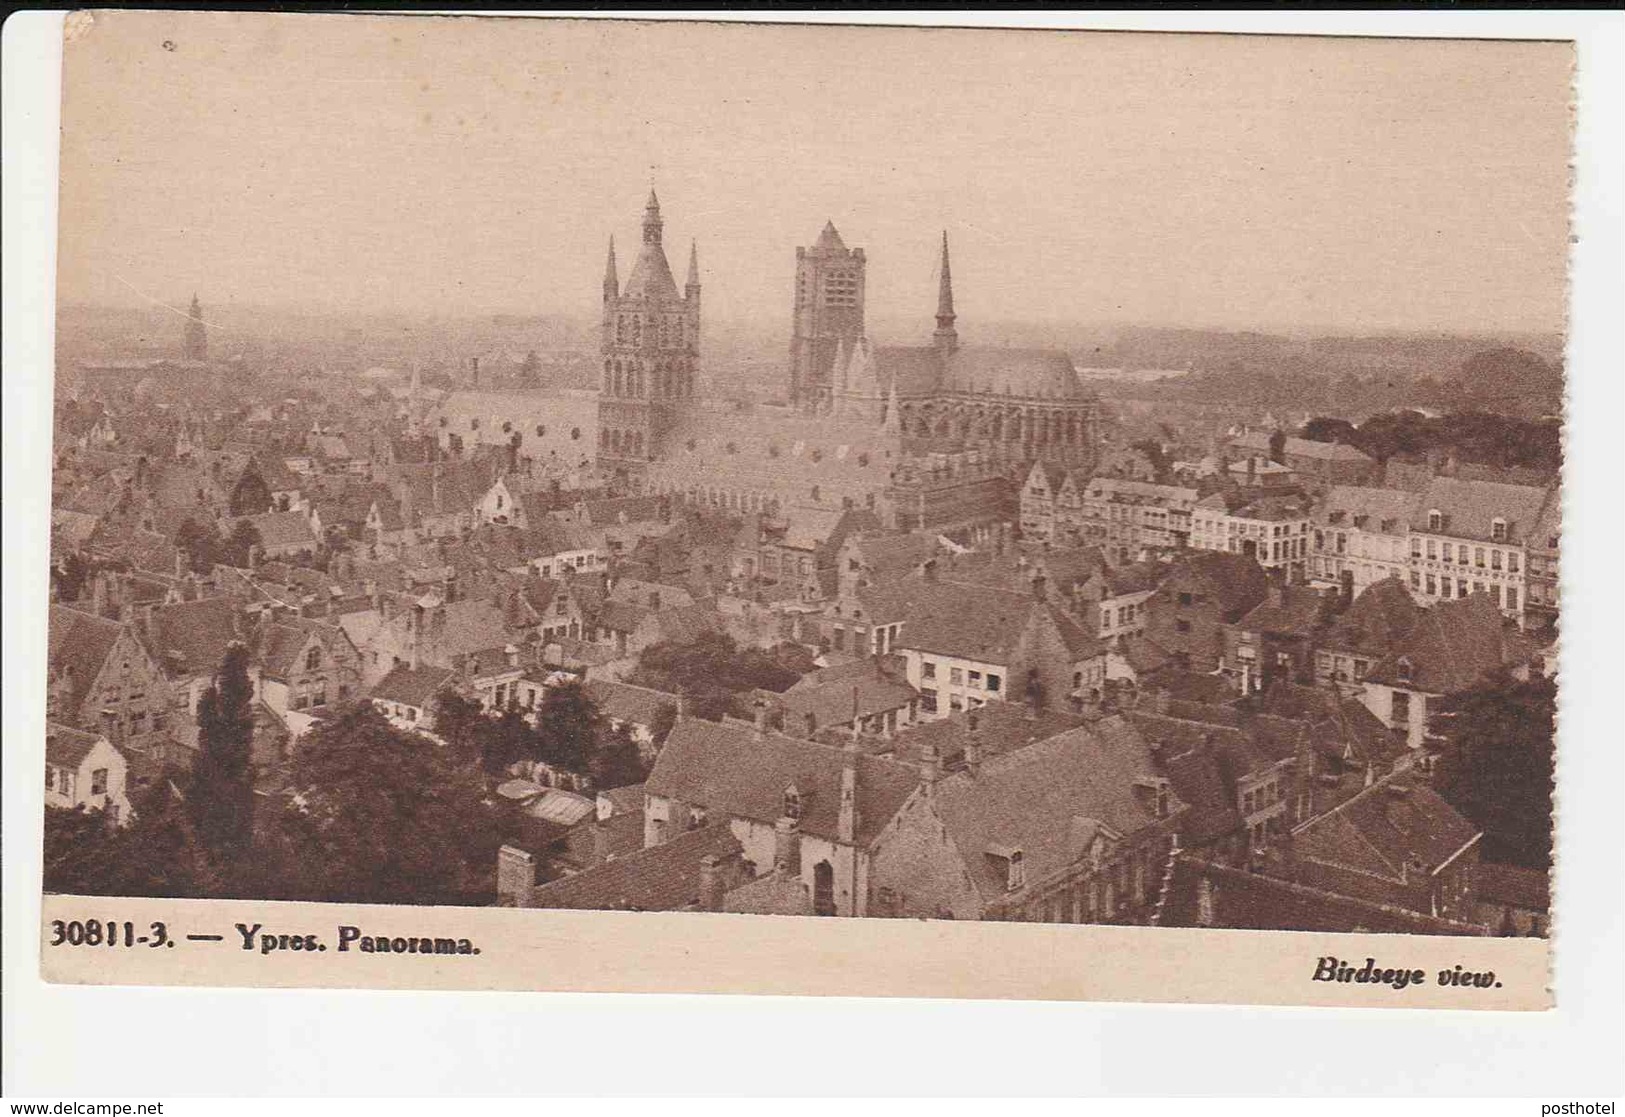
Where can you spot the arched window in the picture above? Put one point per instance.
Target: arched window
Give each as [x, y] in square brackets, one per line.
[823, 888]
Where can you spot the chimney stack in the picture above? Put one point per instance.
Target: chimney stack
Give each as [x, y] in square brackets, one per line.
[930, 762]
[930, 570]
[787, 847]
[973, 744]
[1041, 588]
[516, 877]
[760, 712]
[712, 885]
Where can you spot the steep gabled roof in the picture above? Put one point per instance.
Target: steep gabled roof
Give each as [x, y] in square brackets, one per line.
[1048, 800]
[79, 643]
[726, 768]
[1453, 647]
[1470, 507]
[412, 686]
[1376, 621]
[66, 746]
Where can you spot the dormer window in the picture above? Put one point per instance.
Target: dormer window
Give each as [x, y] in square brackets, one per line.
[1435, 520]
[792, 802]
[1009, 857]
[1404, 669]
[1498, 530]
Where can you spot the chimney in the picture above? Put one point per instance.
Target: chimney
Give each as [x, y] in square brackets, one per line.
[145, 615]
[846, 826]
[787, 847]
[1160, 699]
[451, 587]
[1041, 588]
[516, 877]
[712, 885]
[682, 706]
[760, 712]
[181, 569]
[930, 762]
[474, 371]
[930, 570]
[98, 594]
[973, 745]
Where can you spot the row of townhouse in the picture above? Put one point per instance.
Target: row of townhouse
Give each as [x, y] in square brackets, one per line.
[1125, 518]
[1452, 539]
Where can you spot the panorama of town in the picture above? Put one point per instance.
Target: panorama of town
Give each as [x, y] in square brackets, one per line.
[1161, 627]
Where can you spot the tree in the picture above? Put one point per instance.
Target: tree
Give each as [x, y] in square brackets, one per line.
[221, 796]
[1161, 463]
[200, 545]
[566, 727]
[665, 720]
[458, 721]
[238, 549]
[711, 669]
[616, 761]
[1326, 428]
[1278, 446]
[1496, 766]
[384, 816]
[505, 739]
[155, 854]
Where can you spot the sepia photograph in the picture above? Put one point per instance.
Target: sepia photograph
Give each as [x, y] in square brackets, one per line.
[523, 487]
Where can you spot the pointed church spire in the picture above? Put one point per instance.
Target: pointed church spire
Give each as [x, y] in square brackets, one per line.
[612, 280]
[693, 264]
[946, 336]
[651, 219]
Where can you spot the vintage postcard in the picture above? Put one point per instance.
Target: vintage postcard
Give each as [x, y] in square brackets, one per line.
[678, 506]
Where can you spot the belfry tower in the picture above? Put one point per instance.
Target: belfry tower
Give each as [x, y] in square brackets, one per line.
[650, 348]
[827, 316]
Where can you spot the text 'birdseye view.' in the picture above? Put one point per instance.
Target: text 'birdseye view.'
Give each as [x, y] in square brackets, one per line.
[867, 597]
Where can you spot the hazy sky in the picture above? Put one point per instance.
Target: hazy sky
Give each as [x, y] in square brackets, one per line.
[480, 165]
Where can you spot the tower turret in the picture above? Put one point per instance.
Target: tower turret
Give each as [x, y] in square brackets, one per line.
[691, 289]
[612, 279]
[651, 219]
[946, 337]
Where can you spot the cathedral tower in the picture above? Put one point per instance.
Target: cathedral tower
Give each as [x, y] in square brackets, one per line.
[828, 310]
[650, 348]
[946, 338]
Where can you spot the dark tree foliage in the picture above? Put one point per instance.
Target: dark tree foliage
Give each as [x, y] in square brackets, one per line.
[1496, 766]
[568, 725]
[616, 761]
[238, 548]
[156, 854]
[1161, 463]
[505, 739]
[710, 670]
[1278, 447]
[665, 718]
[201, 545]
[384, 816]
[459, 721]
[1328, 429]
[220, 797]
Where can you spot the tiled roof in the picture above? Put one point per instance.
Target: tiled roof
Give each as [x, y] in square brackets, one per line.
[192, 637]
[1375, 622]
[664, 877]
[412, 687]
[1343, 505]
[1237, 582]
[1453, 647]
[624, 702]
[79, 643]
[1000, 727]
[726, 768]
[67, 746]
[1470, 507]
[1252, 901]
[834, 702]
[1398, 824]
[1048, 800]
[282, 529]
[1530, 889]
[1291, 610]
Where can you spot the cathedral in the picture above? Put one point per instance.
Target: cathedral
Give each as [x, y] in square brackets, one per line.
[1019, 404]
[886, 428]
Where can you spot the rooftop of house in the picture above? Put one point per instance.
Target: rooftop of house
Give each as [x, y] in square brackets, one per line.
[1203, 894]
[1453, 647]
[1395, 827]
[412, 686]
[730, 770]
[66, 746]
[1470, 509]
[663, 877]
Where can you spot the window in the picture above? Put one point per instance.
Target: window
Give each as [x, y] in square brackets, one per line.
[975, 678]
[1512, 598]
[1184, 599]
[928, 700]
[1416, 580]
[1183, 626]
[50, 778]
[1400, 711]
[313, 658]
[1433, 590]
[1498, 530]
[1431, 551]
[1512, 562]
[956, 676]
[1416, 547]
[98, 782]
[955, 703]
[1444, 552]
[993, 682]
[575, 434]
[1435, 520]
[1478, 557]
[541, 430]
